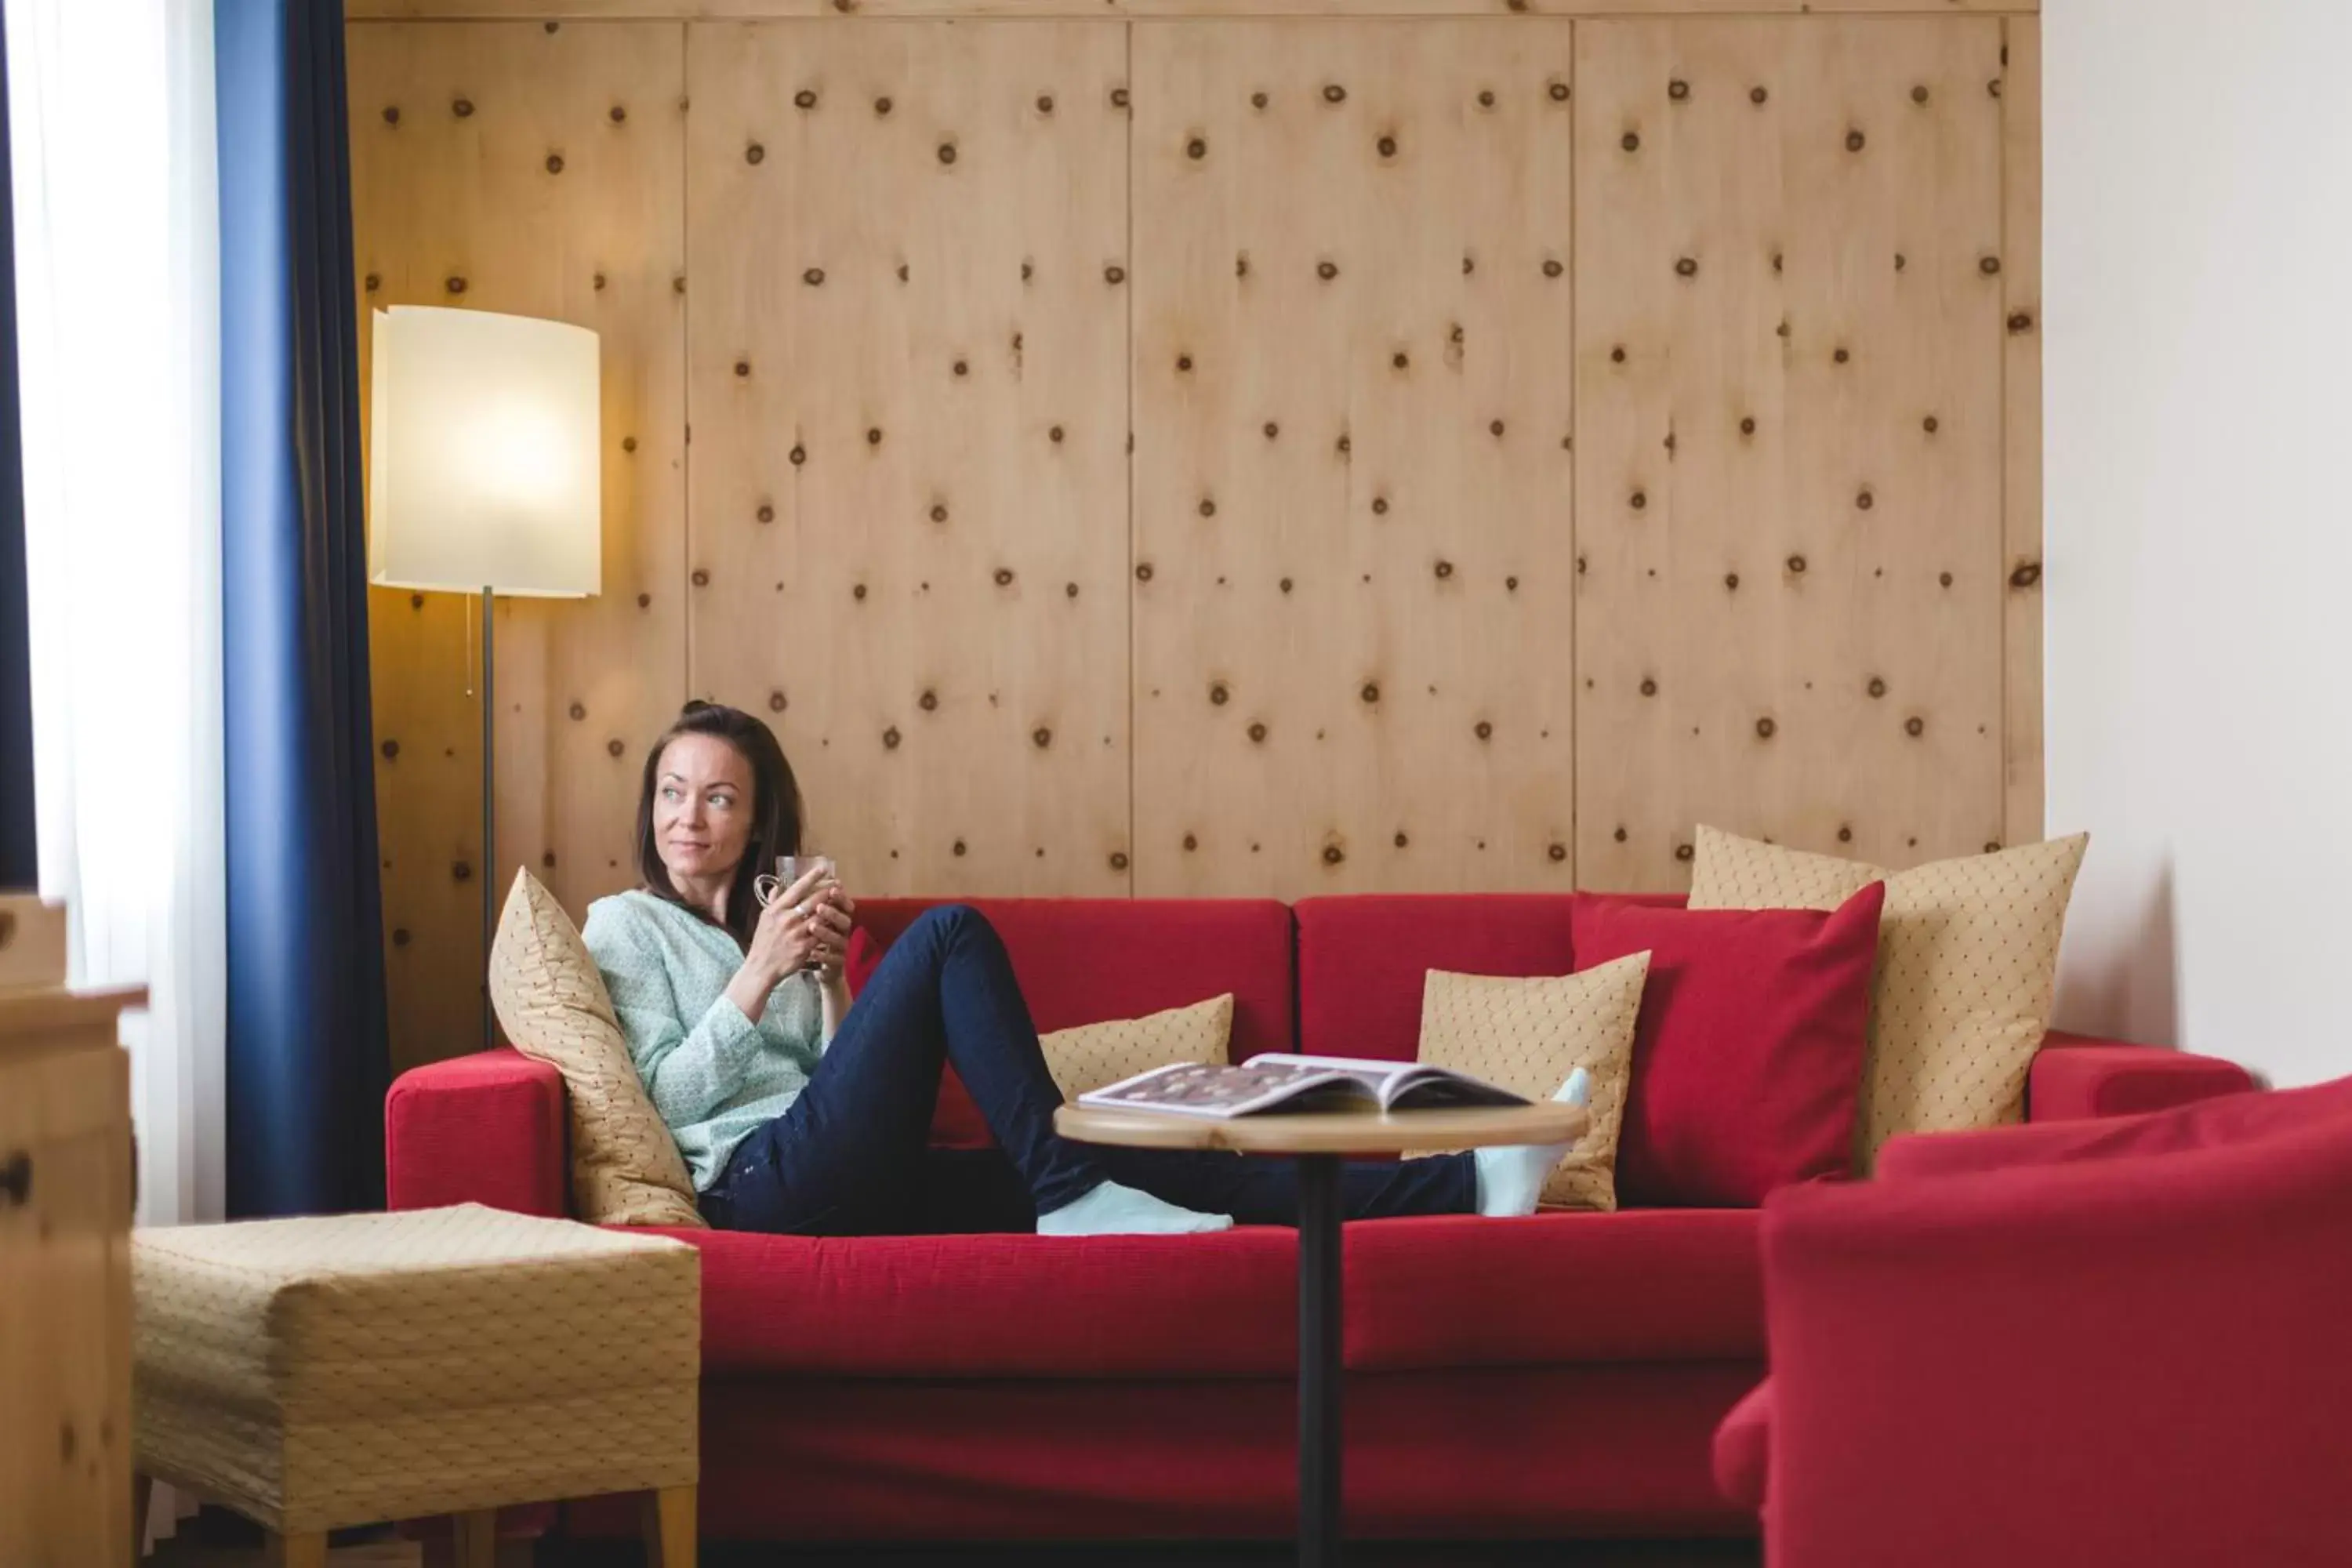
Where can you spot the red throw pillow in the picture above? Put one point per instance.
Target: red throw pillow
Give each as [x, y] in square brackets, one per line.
[1748, 1058]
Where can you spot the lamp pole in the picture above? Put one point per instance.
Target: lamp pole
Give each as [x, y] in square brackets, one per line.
[490, 819]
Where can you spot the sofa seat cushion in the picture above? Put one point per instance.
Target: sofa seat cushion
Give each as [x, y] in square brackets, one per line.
[1457, 1291]
[1000, 1305]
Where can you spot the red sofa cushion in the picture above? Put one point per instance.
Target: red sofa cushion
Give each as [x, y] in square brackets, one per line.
[1457, 1291]
[999, 1305]
[1361, 960]
[1083, 960]
[1747, 1057]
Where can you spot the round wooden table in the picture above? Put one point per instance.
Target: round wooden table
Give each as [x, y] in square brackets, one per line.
[1320, 1141]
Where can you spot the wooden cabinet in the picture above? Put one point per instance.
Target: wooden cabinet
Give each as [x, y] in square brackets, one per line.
[64, 1279]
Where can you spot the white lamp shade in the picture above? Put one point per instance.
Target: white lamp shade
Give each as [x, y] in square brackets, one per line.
[483, 438]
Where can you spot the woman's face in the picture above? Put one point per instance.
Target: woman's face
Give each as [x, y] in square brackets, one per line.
[702, 809]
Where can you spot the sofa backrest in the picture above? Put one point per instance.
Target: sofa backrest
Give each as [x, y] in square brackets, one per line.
[1082, 961]
[1362, 958]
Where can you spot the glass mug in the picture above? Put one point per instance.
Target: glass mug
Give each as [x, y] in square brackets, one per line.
[790, 868]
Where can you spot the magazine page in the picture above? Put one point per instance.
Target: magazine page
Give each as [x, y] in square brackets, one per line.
[1196, 1088]
[1405, 1083]
[1378, 1076]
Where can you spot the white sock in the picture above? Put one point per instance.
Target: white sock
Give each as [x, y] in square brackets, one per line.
[1511, 1177]
[1113, 1210]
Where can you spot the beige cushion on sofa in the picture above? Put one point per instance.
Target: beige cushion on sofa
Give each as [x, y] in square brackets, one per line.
[1091, 1055]
[1528, 1035]
[1968, 959]
[550, 1000]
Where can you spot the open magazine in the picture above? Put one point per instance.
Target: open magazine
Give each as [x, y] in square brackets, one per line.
[1277, 1080]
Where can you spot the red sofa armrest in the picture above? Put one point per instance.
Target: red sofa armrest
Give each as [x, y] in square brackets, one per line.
[2075, 1076]
[2066, 1364]
[484, 1129]
[1743, 1448]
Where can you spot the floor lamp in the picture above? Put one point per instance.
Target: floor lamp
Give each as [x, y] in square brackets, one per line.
[484, 480]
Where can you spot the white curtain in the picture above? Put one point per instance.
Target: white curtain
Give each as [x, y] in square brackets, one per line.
[111, 110]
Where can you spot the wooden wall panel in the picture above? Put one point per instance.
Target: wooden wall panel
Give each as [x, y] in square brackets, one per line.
[908, 476]
[752, 9]
[1352, 383]
[2021, 114]
[511, 167]
[873, 346]
[1788, 504]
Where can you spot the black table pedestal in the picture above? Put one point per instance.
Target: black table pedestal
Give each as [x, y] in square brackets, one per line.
[1318, 1360]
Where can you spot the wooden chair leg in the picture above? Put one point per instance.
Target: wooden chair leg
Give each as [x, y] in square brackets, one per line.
[308, 1549]
[477, 1538]
[142, 1496]
[668, 1522]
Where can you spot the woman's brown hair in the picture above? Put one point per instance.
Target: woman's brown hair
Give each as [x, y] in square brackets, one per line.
[776, 816]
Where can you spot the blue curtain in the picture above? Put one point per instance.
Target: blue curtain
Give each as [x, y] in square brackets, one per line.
[17, 868]
[308, 1060]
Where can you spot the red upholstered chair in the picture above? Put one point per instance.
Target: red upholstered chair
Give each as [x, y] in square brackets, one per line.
[2122, 1341]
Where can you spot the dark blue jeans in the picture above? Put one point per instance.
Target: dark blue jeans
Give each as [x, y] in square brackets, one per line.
[852, 1155]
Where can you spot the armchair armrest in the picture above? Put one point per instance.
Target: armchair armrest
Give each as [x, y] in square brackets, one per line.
[1743, 1448]
[487, 1128]
[2075, 1076]
[2066, 1364]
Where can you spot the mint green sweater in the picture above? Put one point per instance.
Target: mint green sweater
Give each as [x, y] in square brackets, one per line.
[714, 1075]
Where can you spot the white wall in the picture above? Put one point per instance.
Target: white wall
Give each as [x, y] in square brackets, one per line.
[2197, 313]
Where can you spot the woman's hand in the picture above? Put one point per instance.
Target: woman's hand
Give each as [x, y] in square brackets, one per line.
[788, 938]
[835, 914]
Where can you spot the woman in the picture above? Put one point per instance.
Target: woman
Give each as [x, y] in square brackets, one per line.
[797, 1112]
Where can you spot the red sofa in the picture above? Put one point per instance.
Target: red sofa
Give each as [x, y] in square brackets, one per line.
[2064, 1344]
[1551, 1377]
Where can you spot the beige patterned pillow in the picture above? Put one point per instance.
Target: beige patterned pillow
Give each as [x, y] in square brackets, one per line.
[1094, 1055]
[1967, 958]
[550, 1000]
[1528, 1035]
